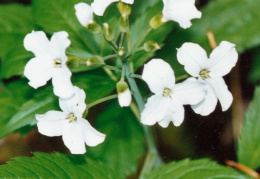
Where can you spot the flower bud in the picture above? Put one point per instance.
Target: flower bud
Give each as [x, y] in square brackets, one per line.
[73, 61]
[124, 94]
[156, 21]
[123, 23]
[124, 8]
[151, 46]
[109, 35]
[94, 27]
[121, 51]
[95, 61]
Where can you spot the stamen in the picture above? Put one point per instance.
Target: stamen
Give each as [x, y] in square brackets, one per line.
[71, 117]
[57, 62]
[167, 92]
[204, 73]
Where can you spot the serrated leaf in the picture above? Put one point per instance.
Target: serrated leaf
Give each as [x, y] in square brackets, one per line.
[96, 87]
[248, 144]
[124, 143]
[202, 169]
[13, 28]
[56, 165]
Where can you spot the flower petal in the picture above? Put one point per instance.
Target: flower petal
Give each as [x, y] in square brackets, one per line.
[221, 90]
[191, 91]
[90, 135]
[61, 82]
[38, 43]
[125, 98]
[84, 13]
[155, 109]
[223, 59]
[75, 104]
[59, 43]
[180, 11]
[208, 104]
[99, 6]
[38, 71]
[73, 137]
[158, 74]
[51, 123]
[193, 57]
[128, 1]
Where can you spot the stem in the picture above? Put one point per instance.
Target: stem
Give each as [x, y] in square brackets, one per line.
[182, 77]
[123, 73]
[109, 56]
[101, 100]
[109, 72]
[128, 39]
[136, 76]
[141, 37]
[121, 39]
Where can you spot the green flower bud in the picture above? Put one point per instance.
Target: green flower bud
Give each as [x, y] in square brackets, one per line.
[123, 23]
[124, 8]
[73, 61]
[109, 35]
[151, 46]
[94, 28]
[121, 51]
[156, 21]
[95, 61]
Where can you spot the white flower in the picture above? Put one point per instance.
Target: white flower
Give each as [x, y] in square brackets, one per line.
[49, 62]
[99, 6]
[69, 124]
[125, 98]
[210, 72]
[166, 104]
[84, 13]
[181, 11]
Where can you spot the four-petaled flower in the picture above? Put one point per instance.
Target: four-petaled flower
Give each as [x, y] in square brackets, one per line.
[69, 124]
[181, 11]
[99, 6]
[210, 72]
[166, 104]
[49, 62]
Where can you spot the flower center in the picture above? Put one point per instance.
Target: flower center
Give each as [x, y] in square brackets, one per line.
[57, 62]
[167, 92]
[71, 117]
[204, 73]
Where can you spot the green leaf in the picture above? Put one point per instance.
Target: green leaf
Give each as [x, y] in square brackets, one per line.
[56, 165]
[248, 144]
[15, 23]
[231, 20]
[254, 75]
[202, 169]
[96, 87]
[124, 143]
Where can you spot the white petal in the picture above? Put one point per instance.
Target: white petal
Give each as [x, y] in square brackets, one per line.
[38, 71]
[223, 94]
[62, 85]
[158, 74]
[180, 11]
[174, 115]
[193, 57]
[208, 104]
[191, 91]
[59, 43]
[99, 6]
[155, 109]
[223, 59]
[51, 123]
[125, 98]
[128, 1]
[90, 135]
[38, 43]
[73, 137]
[84, 13]
[75, 104]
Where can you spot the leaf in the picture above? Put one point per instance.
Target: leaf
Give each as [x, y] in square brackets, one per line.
[56, 165]
[248, 144]
[231, 20]
[96, 87]
[13, 28]
[202, 169]
[124, 143]
[254, 75]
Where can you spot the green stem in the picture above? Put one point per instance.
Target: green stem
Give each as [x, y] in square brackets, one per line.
[182, 77]
[141, 37]
[101, 100]
[121, 39]
[109, 72]
[128, 38]
[136, 76]
[123, 73]
[109, 56]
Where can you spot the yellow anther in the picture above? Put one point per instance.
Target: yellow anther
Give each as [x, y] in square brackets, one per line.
[57, 62]
[204, 73]
[167, 92]
[71, 117]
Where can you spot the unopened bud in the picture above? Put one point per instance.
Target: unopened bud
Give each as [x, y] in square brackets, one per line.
[156, 21]
[94, 28]
[123, 23]
[73, 61]
[121, 51]
[124, 8]
[124, 94]
[151, 46]
[95, 61]
[109, 35]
